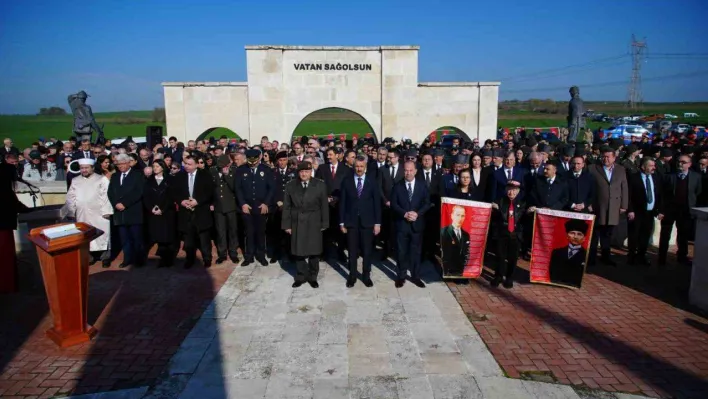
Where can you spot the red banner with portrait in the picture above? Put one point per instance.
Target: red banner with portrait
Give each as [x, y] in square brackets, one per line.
[559, 250]
[463, 235]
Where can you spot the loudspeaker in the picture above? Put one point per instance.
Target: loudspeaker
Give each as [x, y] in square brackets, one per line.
[153, 136]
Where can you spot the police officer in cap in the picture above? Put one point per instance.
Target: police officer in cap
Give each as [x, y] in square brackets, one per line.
[282, 175]
[255, 190]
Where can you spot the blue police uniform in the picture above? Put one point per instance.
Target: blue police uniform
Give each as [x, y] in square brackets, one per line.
[254, 189]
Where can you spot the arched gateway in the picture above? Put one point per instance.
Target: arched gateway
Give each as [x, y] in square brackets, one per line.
[287, 83]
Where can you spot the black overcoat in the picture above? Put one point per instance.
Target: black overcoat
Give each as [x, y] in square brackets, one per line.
[306, 213]
[161, 228]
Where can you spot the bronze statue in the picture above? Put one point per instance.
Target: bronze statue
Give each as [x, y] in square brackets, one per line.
[84, 122]
[576, 112]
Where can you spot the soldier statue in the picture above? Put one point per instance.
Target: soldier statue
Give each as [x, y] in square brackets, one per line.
[84, 122]
[576, 112]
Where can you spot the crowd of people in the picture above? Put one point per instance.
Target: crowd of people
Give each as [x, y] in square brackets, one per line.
[341, 199]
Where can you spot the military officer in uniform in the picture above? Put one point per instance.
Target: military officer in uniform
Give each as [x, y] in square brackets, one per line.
[224, 207]
[255, 188]
[283, 174]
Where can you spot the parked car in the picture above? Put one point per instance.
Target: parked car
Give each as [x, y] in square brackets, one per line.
[690, 115]
[625, 132]
[599, 117]
[670, 116]
[681, 128]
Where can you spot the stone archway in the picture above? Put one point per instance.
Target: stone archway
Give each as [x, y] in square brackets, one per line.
[217, 132]
[450, 131]
[333, 122]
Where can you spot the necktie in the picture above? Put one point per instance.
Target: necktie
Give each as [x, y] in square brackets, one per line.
[86, 154]
[576, 175]
[122, 178]
[333, 172]
[191, 184]
[682, 176]
[304, 185]
[508, 174]
[511, 218]
[427, 178]
[458, 234]
[410, 192]
[359, 188]
[454, 178]
[650, 192]
[533, 172]
[393, 172]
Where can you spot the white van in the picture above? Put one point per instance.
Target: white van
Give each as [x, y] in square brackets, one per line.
[690, 115]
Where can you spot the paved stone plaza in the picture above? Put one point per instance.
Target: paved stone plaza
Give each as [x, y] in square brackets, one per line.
[263, 339]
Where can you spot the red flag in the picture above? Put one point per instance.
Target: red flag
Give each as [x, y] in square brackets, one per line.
[473, 232]
[444, 132]
[434, 136]
[330, 136]
[367, 135]
[342, 137]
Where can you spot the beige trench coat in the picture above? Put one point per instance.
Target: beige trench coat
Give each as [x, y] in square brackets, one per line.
[610, 196]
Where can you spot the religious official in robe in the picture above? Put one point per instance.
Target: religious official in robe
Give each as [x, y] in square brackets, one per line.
[305, 216]
[87, 201]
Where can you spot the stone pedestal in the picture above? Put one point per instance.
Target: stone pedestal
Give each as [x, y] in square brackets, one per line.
[698, 293]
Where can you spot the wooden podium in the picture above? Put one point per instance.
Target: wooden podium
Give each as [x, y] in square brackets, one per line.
[65, 263]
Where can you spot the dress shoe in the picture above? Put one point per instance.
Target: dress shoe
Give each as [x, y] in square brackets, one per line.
[399, 283]
[220, 260]
[342, 257]
[297, 284]
[124, 265]
[274, 259]
[207, 264]
[314, 284]
[262, 261]
[235, 259]
[247, 262]
[188, 264]
[508, 284]
[418, 282]
[350, 283]
[631, 261]
[495, 283]
[106, 264]
[368, 282]
[643, 262]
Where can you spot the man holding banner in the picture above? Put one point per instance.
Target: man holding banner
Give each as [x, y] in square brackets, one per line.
[507, 230]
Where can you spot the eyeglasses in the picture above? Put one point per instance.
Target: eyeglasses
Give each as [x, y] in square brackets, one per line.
[683, 162]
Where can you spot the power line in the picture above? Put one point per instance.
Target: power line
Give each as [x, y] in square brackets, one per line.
[542, 72]
[561, 73]
[614, 83]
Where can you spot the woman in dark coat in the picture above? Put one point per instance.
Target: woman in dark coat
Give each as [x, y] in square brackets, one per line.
[161, 213]
[305, 216]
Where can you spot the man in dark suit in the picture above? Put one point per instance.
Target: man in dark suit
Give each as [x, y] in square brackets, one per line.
[702, 170]
[225, 216]
[568, 263]
[194, 193]
[549, 191]
[410, 201]
[255, 190]
[333, 174]
[388, 177]
[681, 193]
[84, 151]
[448, 183]
[8, 148]
[360, 219]
[644, 204]
[581, 186]
[455, 244]
[563, 163]
[125, 192]
[433, 181]
[510, 171]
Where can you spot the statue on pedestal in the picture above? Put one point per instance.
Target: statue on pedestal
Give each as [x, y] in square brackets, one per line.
[84, 122]
[576, 110]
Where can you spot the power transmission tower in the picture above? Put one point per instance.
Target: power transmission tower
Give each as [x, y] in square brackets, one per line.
[635, 96]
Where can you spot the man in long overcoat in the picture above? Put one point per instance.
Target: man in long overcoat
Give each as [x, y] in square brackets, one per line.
[610, 203]
[305, 216]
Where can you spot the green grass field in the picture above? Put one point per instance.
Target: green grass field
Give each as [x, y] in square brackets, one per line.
[25, 129]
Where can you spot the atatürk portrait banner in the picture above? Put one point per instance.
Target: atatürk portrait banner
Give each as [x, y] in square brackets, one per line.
[463, 235]
[559, 251]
